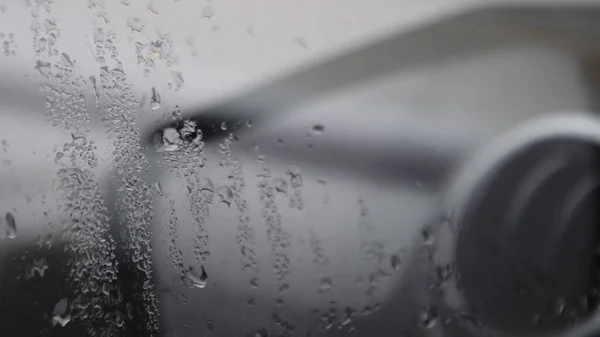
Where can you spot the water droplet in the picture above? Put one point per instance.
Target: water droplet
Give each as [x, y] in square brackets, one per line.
[559, 306]
[171, 140]
[206, 185]
[135, 23]
[254, 282]
[78, 136]
[395, 261]
[208, 11]
[301, 42]
[226, 195]
[325, 286]
[158, 189]
[428, 318]
[428, 237]
[281, 185]
[318, 128]
[154, 99]
[11, 226]
[177, 80]
[153, 7]
[60, 313]
[98, 34]
[42, 67]
[67, 60]
[39, 266]
[197, 281]
[223, 126]
[249, 123]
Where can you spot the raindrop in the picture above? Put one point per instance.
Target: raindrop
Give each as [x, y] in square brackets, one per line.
[11, 226]
[325, 286]
[427, 235]
[98, 34]
[154, 99]
[39, 266]
[170, 140]
[136, 24]
[427, 318]
[281, 185]
[226, 195]
[319, 128]
[42, 67]
[67, 60]
[207, 185]
[367, 310]
[559, 306]
[395, 261]
[254, 282]
[60, 314]
[301, 42]
[177, 80]
[223, 126]
[158, 189]
[78, 136]
[197, 281]
[153, 7]
[208, 11]
[249, 123]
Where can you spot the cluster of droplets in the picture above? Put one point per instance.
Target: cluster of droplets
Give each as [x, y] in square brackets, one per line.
[79, 152]
[134, 199]
[296, 186]
[175, 254]
[182, 151]
[65, 102]
[200, 197]
[148, 50]
[285, 328]
[279, 239]
[372, 250]
[245, 234]
[335, 319]
[8, 44]
[92, 264]
[320, 258]
[181, 148]
[45, 29]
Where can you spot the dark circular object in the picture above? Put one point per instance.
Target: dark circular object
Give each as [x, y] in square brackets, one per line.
[528, 224]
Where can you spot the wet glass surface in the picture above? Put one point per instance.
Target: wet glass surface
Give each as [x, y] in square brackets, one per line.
[418, 186]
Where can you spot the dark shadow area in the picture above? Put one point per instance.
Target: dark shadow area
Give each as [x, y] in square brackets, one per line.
[26, 304]
[528, 252]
